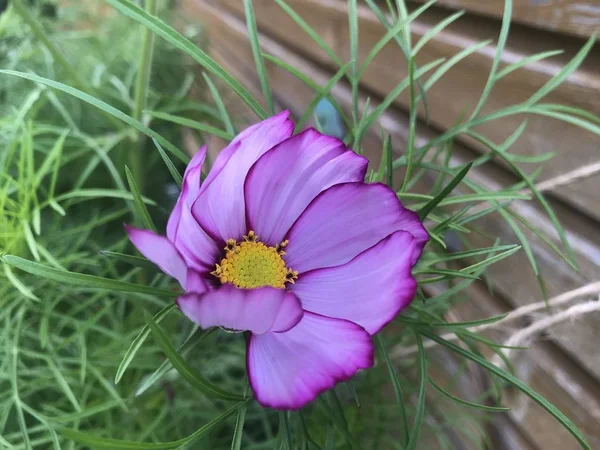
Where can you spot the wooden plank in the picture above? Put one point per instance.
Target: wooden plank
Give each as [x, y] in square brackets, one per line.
[512, 278]
[578, 17]
[545, 369]
[458, 91]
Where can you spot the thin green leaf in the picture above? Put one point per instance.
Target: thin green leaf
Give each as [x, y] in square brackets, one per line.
[182, 43]
[562, 419]
[191, 124]
[259, 63]
[423, 212]
[465, 402]
[137, 343]
[79, 279]
[420, 412]
[404, 430]
[170, 166]
[116, 444]
[184, 369]
[135, 261]
[140, 207]
[102, 106]
[236, 443]
[220, 104]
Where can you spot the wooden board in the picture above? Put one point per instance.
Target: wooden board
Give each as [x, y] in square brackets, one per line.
[514, 278]
[458, 91]
[578, 17]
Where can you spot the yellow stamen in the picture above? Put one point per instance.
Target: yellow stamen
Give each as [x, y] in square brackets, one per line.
[250, 264]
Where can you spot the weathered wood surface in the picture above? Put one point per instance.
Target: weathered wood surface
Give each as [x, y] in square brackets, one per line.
[458, 91]
[579, 17]
[546, 367]
[513, 278]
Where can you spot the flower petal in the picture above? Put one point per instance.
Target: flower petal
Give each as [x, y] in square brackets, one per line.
[370, 290]
[342, 222]
[220, 208]
[160, 251]
[197, 248]
[282, 183]
[288, 370]
[256, 310]
[189, 191]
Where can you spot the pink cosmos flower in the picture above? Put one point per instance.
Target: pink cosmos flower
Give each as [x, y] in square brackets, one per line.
[285, 240]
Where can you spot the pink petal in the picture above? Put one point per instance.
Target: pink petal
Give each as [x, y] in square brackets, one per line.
[197, 248]
[344, 221]
[160, 251]
[369, 290]
[288, 370]
[282, 183]
[220, 208]
[196, 282]
[256, 310]
[189, 191]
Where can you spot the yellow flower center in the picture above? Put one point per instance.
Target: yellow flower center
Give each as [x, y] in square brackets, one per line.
[250, 264]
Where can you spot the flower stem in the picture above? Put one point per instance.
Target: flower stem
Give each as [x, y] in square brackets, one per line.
[141, 91]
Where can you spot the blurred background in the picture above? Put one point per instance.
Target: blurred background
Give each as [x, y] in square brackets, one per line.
[87, 45]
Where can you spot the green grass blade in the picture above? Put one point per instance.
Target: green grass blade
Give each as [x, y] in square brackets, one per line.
[423, 212]
[191, 124]
[236, 442]
[465, 402]
[220, 104]
[527, 60]
[404, 431]
[184, 369]
[116, 444]
[259, 62]
[170, 166]
[549, 407]
[420, 412]
[137, 343]
[506, 21]
[79, 279]
[135, 261]
[103, 107]
[564, 73]
[140, 207]
[182, 43]
[433, 32]
[309, 31]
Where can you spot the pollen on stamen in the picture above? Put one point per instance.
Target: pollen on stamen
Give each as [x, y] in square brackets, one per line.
[250, 264]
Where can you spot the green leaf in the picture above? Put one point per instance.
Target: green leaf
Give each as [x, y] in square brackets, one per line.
[135, 261]
[308, 30]
[116, 444]
[182, 43]
[420, 412]
[184, 369]
[423, 212]
[404, 431]
[284, 427]
[191, 124]
[236, 443]
[188, 345]
[103, 107]
[139, 341]
[259, 63]
[465, 402]
[170, 166]
[214, 92]
[79, 279]
[140, 207]
[562, 419]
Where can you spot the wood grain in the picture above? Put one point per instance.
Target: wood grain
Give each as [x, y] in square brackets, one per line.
[458, 91]
[578, 17]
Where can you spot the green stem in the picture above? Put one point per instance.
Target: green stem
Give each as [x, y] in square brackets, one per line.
[141, 90]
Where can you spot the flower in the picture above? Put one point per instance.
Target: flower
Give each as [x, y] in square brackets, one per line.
[283, 239]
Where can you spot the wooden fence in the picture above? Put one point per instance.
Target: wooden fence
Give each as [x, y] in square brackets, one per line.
[565, 368]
